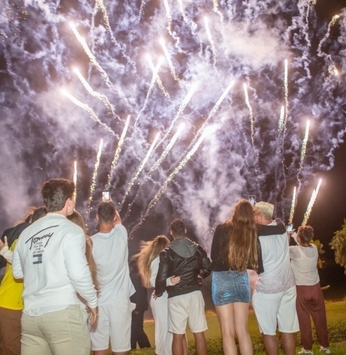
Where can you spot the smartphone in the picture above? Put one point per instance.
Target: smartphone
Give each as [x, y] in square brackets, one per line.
[105, 196]
[289, 227]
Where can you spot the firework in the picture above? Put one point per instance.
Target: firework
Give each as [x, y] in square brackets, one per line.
[281, 119]
[158, 79]
[181, 8]
[286, 92]
[75, 179]
[311, 203]
[101, 5]
[210, 39]
[89, 110]
[293, 205]
[94, 93]
[92, 58]
[94, 177]
[305, 141]
[168, 181]
[250, 113]
[139, 170]
[216, 9]
[169, 61]
[117, 152]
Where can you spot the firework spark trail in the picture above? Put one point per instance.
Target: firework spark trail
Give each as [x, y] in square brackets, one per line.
[303, 150]
[311, 203]
[94, 93]
[210, 39]
[168, 148]
[169, 17]
[94, 177]
[150, 89]
[168, 58]
[75, 179]
[158, 79]
[168, 181]
[182, 11]
[281, 119]
[180, 111]
[211, 113]
[250, 113]
[92, 58]
[103, 8]
[216, 10]
[141, 10]
[117, 153]
[89, 110]
[293, 205]
[139, 170]
[286, 92]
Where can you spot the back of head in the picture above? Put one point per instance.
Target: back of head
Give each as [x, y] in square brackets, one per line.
[106, 212]
[178, 228]
[266, 209]
[243, 212]
[38, 213]
[306, 234]
[77, 218]
[55, 193]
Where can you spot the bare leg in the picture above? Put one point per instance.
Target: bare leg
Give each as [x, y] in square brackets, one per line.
[241, 311]
[100, 352]
[177, 344]
[288, 343]
[185, 346]
[271, 344]
[201, 344]
[225, 315]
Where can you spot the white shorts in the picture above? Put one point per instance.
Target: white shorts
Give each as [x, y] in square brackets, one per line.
[187, 309]
[114, 324]
[276, 310]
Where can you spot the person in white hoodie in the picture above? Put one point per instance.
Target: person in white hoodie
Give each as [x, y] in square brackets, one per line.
[50, 257]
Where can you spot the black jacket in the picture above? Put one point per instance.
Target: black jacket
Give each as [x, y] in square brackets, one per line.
[182, 258]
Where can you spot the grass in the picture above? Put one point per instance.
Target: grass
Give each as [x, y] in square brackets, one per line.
[336, 315]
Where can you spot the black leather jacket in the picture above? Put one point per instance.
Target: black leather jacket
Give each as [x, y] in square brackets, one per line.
[182, 258]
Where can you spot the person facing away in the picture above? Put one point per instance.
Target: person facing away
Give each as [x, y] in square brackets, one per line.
[50, 257]
[11, 303]
[310, 301]
[275, 292]
[234, 249]
[140, 299]
[110, 252]
[189, 261]
[148, 265]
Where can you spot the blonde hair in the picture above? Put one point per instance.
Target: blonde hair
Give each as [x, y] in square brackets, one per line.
[149, 251]
[242, 247]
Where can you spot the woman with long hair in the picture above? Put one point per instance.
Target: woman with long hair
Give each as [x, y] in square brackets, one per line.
[148, 264]
[234, 249]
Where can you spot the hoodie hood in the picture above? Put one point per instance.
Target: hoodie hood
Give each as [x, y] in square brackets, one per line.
[184, 247]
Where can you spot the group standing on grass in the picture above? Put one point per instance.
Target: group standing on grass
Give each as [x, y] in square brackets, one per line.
[66, 293]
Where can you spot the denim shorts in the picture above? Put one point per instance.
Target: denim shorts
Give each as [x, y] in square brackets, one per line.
[229, 287]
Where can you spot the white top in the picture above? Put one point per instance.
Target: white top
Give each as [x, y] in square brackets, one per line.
[277, 275]
[50, 256]
[304, 264]
[110, 252]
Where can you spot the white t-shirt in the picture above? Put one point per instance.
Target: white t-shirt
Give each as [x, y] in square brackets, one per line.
[304, 264]
[110, 252]
[277, 276]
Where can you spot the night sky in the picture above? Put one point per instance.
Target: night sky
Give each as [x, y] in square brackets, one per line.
[237, 141]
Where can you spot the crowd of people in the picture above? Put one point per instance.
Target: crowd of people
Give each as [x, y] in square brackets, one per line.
[64, 292]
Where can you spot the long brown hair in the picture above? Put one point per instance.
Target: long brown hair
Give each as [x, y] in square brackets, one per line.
[242, 247]
[149, 251]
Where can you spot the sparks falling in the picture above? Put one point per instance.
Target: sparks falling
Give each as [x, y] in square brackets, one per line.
[169, 61]
[139, 170]
[94, 177]
[303, 150]
[89, 110]
[293, 205]
[94, 93]
[281, 119]
[117, 153]
[168, 181]
[101, 5]
[286, 92]
[210, 39]
[75, 179]
[158, 79]
[311, 203]
[250, 113]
